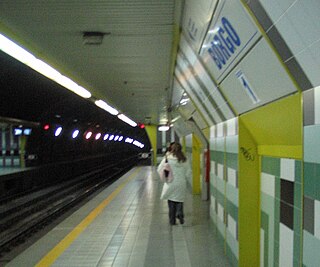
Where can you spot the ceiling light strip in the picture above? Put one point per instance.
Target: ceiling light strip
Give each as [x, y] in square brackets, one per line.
[106, 107]
[17, 52]
[127, 120]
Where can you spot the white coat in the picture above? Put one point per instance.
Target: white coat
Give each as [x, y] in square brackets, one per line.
[177, 189]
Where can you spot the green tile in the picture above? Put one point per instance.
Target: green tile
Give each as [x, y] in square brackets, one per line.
[219, 157]
[277, 187]
[309, 175]
[276, 220]
[296, 248]
[276, 254]
[232, 160]
[298, 171]
[271, 166]
[316, 182]
[297, 221]
[232, 210]
[230, 255]
[297, 195]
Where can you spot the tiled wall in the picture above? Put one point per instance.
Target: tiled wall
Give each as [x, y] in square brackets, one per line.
[224, 185]
[293, 28]
[188, 140]
[311, 213]
[281, 212]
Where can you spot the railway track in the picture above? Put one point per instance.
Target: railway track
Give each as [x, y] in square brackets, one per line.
[22, 216]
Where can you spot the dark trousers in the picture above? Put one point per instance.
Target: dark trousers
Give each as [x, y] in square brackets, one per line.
[175, 211]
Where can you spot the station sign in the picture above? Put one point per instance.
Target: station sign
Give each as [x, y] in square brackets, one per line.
[230, 35]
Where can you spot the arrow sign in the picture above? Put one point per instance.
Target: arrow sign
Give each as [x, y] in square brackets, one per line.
[248, 88]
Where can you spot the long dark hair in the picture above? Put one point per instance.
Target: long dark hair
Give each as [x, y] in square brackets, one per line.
[176, 150]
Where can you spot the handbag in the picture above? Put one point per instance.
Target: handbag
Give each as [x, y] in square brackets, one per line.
[165, 173]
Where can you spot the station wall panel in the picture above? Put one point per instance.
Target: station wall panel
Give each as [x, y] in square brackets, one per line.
[281, 212]
[292, 26]
[258, 79]
[224, 193]
[197, 16]
[311, 191]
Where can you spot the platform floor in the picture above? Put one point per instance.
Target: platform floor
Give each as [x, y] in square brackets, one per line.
[127, 225]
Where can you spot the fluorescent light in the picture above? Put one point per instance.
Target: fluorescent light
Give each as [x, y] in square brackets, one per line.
[98, 135]
[163, 128]
[75, 134]
[40, 66]
[138, 144]
[129, 140]
[58, 131]
[127, 120]
[88, 135]
[72, 86]
[106, 107]
[105, 136]
[15, 51]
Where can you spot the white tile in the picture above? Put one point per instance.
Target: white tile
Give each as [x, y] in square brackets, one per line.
[220, 129]
[317, 219]
[291, 36]
[287, 169]
[299, 17]
[268, 184]
[317, 105]
[285, 4]
[232, 226]
[212, 132]
[285, 246]
[232, 177]
[232, 126]
[273, 9]
[220, 211]
[309, 65]
[220, 171]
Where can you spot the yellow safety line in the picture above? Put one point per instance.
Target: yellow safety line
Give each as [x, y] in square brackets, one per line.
[52, 256]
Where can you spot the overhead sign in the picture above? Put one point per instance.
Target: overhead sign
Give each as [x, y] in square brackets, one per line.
[231, 33]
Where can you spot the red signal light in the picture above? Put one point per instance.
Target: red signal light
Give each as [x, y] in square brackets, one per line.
[46, 127]
[141, 125]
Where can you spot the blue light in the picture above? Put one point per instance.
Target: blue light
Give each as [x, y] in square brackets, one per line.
[75, 134]
[58, 131]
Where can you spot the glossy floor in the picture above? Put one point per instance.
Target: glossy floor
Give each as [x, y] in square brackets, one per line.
[127, 225]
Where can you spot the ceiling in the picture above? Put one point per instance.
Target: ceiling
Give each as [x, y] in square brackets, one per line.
[131, 70]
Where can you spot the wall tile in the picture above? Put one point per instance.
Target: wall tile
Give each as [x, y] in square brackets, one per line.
[308, 107]
[317, 219]
[287, 169]
[285, 4]
[286, 246]
[309, 65]
[271, 166]
[312, 143]
[287, 191]
[273, 9]
[317, 102]
[286, 214]
[308, 215]
[268, 184]
[309, 174]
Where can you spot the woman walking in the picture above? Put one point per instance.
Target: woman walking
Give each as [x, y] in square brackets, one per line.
[175, 192]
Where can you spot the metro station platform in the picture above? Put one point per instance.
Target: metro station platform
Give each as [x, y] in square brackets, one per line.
[127, 225]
